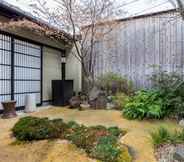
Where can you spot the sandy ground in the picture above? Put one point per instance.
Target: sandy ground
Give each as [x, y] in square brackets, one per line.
[137, 138]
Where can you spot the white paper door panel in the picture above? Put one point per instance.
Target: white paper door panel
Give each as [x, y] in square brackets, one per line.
[5, 68]
[27, 71]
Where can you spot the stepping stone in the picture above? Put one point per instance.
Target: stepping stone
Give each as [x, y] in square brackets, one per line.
[179, 154]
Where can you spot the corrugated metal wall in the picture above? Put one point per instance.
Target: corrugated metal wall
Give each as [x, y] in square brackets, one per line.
[134, 46]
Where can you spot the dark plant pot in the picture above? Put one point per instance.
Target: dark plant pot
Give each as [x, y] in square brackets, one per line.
[9, 110]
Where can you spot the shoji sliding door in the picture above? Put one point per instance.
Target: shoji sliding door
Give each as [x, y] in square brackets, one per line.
[27, 70]
[20, 70]
[5, 68]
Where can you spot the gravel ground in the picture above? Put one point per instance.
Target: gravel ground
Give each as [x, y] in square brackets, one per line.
[165, 153]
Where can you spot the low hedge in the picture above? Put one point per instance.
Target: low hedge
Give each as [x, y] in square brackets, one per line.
[32, 128]
[98, 141]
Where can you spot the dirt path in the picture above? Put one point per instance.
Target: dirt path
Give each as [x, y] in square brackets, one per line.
[137, 137]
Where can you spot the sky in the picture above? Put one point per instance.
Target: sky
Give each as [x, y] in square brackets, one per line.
[133, 7]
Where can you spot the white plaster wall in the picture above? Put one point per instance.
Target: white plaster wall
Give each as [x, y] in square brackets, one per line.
[51, 71]
[74, 70]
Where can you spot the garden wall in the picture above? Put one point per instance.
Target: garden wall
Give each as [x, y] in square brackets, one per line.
[138, 46]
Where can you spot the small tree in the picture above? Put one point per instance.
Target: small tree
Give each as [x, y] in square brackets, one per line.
[83, 19]
[179, 4]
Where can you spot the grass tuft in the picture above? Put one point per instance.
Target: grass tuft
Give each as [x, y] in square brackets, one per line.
[164, 136]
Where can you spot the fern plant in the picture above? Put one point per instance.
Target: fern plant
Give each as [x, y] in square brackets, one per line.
[145, 104]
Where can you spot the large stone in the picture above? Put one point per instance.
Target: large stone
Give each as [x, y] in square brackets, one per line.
[75, 102]
[94, 93]
[100, 102]
[179, 154]
[181, 123]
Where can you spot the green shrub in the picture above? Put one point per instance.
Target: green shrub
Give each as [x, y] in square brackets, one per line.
[163, 136]
[73, 125]
[167, 98]
[120, 100]
[32, 128]
[145, 104]
[87, 137]
[115, 131]
[106, 149]
[78, 137]
[171, 87]
[106, 153]
[109, 140]
[113, 83]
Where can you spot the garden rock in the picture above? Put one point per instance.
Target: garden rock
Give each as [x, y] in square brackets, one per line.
[75, 102]
[110, 106]
[181, 123]
[85, 106]
[100, 102]
[179, 154]
[94, 93]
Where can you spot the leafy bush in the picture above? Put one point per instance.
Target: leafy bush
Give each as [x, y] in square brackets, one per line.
[73, 125]
[145, 104]
[115, 131]
[171, 87]
[87, 137]
[120, 100]
[166, 81]
[109, 140]
[166, 100]
[113, 83]
[106, 149]
[78, 137]
[163, 136]
[32, 128]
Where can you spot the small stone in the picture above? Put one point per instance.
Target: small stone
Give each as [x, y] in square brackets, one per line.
[181, 123]
[179, 154]
[110, 106]
[85, 106]
[62, 142]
